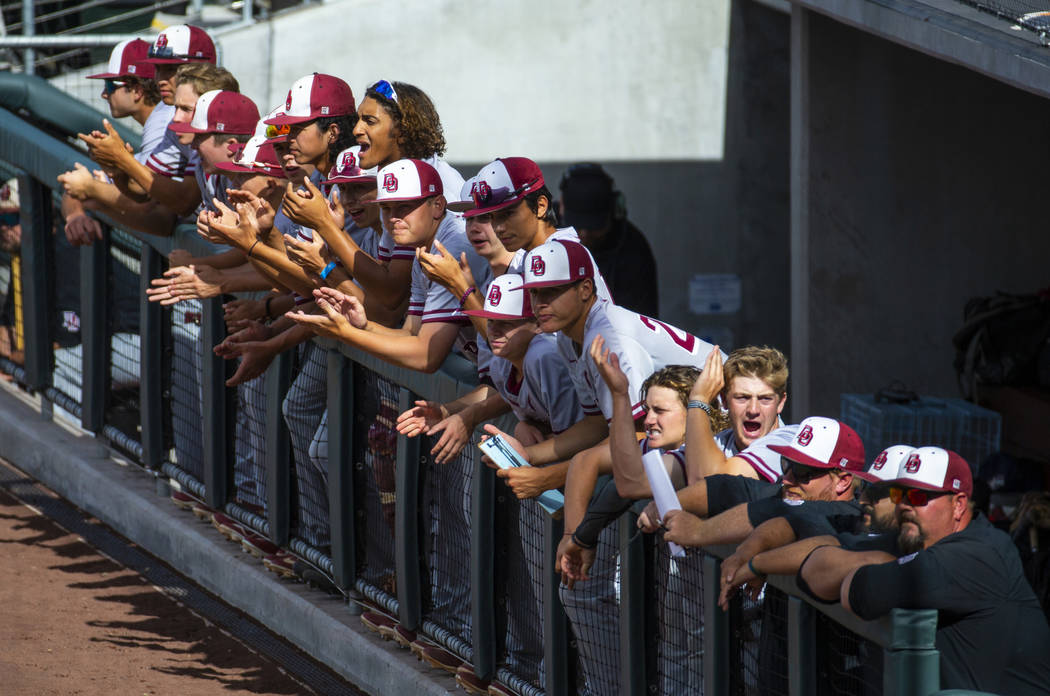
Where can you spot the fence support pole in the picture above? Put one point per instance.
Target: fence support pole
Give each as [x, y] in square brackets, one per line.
[341, 498]
[559, 680]
[406, 524]
[801, 646]
[278, 454]
[37, 259]
[218, 432]
[912, 663]
[633, 634]
[94, 323]
[482, 569]
[716, 631]
[29, 29]
[151, 362]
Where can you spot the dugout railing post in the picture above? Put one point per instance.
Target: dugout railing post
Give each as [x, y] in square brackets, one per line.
[278, 458]
[912, 663]
[94, 338]
[406, 524]
[217, 405]
[801, 648]
[482, 569]
[558, 674]
[37, 274]
[341, 493]
[151, 362]
[633, 599]
[716, 631]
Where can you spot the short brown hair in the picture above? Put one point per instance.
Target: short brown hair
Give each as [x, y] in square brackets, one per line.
[150, 93]
[681, 378]
[764, 363]
[205, 77]
[419, 132]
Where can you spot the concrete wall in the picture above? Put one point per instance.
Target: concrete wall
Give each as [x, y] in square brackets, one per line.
[925, 182]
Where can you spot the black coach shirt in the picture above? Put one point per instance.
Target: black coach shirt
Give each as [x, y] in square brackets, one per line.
[991, 633]
[808, 518]
[726, 491]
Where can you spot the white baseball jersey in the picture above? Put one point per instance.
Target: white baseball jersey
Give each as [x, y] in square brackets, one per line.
[153, 130]
[173, 159]
[643, 345]
[762, 459]
[387, 251]
[432, 302]
[544, 392]
[517, 264]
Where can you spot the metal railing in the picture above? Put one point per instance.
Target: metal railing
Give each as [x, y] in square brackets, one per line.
[429, 543]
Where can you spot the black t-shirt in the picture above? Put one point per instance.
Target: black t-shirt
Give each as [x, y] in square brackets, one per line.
[991, 632]
[626, 263]
[726, 491]
[807, 518]
[870, 541]
[605, 507]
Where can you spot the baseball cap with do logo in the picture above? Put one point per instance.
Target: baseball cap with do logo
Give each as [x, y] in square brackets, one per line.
[506, 299]
[407, 180]
[500, 184]
[315, 96]
[182, 43]
[936, 469]
[557, 262]
[825, 443]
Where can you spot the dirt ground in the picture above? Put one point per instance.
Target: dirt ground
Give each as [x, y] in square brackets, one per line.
[74, 622]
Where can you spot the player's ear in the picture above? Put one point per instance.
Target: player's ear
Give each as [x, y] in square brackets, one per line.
[783, 402]
[542, 205]
[439, 204]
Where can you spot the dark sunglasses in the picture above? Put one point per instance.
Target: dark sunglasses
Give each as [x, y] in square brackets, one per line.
[273, 131]
[112, 86]
[876, 491]
[384, 89]
[916, 497]
[800, 473]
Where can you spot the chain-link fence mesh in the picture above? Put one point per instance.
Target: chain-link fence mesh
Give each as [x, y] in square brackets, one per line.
[679, 605]
[375, 463]
[446, 499]
[187, 421]
[593, 608]
[520, 553]
[758, 663]
[847, 664]
[249, 448]
[303, 408]
[68, 359]
[124, 330]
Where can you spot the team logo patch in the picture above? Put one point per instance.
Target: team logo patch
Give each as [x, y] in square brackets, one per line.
[880, 461]
[495, 295]
[5, 193]
[324, 110]
[162, 41]
[913, 464]
[805, 436]
[288, 102]
[349, 161]
[71, 322]
[389, 182]
[537, 267]
[481, 192]
[220, 126]
[131, 69]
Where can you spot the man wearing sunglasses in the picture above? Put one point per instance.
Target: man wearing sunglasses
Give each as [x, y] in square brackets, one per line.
[991, 632]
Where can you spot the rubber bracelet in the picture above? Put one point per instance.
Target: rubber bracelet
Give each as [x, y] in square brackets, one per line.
[327, 269]
[269, 299]
[252, 248]
[706, 408]
[463, 300]
[751, 567]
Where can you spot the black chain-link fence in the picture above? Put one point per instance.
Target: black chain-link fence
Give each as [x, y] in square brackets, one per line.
[679, 604]
[593, 608]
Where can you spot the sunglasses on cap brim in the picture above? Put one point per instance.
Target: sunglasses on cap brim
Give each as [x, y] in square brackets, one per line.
[916, 497]
[273, 131]
[384, 89]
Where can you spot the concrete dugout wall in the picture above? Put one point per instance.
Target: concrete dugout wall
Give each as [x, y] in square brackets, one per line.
[917, 186]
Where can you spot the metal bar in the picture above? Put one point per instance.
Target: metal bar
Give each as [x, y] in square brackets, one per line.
[247, 8]
[37, 272]
[801, 646]
[555, 622]
[28, 29]
[59, 57]
[482, 569]
[81, 28]
[93, 41]
[716, 632]
[94, 322]
[217, 437]
[69, 10]
[151, 362]
[912, 663]
[406, 525]
[278, 451]
[342, 509]
[632, 607]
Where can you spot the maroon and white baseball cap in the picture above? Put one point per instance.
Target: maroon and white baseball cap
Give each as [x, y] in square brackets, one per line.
[182, 43]
[316, 96]
[407, 180]
[885, 466]
[936, 469]
[221, 111]
[825, 443]
[557, 262]
[126, 60]
[502, 183]
[347, 169]
[466, 196]
[506, 299]
[257, 156]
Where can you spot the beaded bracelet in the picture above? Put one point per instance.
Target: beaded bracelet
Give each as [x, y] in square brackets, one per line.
[463, 300]
[706, 408]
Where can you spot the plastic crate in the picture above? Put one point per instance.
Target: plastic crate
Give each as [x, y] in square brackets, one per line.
[954, 424]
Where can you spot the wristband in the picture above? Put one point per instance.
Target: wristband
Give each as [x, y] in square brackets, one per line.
[252, 248]
[463, 300]
[269, 299]
[706, 408]
[751, 567]
[327, 269]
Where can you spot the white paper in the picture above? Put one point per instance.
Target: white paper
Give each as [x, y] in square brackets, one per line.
[663, 490]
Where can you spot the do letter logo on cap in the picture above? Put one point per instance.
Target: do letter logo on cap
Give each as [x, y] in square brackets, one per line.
[880, 461]
[538, 267]
[389, 182]
[805, 436]
[913, 464]
[495, 295]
